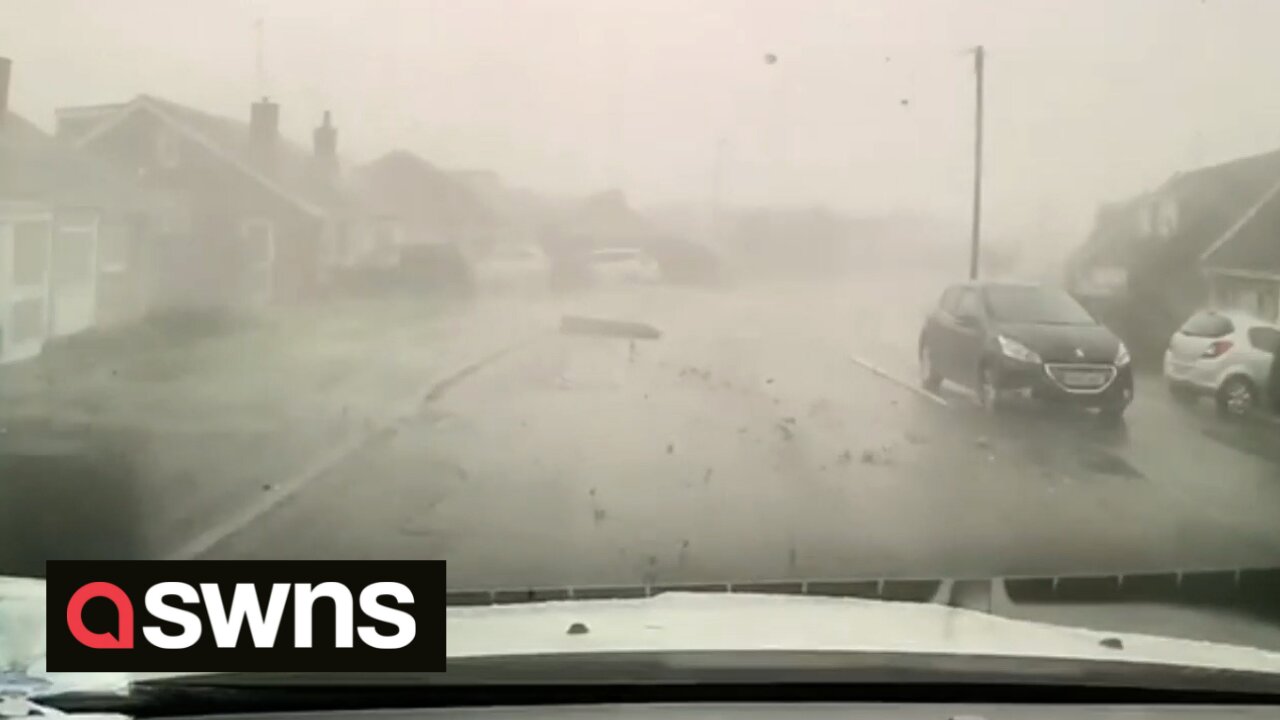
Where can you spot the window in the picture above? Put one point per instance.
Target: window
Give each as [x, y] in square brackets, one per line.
[30, 253]
[968, 305]
[950, 299]
[1208, 325]
[28, 320]
[1036, 305]
[1265, 338]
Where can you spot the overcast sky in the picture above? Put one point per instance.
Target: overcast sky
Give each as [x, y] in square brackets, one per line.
[869, 106]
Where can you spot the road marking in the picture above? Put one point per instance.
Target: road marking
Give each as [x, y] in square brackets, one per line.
[290, 486]
[877, 370]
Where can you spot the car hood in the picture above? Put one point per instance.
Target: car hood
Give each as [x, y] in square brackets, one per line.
[693, 622]
[696, 622]
[1060, 343]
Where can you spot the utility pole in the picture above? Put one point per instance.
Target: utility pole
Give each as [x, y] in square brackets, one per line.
[976, 239]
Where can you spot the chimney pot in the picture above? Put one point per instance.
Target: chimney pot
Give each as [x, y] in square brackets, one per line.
[264, 122]
[325, 139]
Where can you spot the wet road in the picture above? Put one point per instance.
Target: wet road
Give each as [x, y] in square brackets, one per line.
[745, 444]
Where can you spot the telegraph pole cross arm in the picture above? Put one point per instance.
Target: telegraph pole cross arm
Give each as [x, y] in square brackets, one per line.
[979, 54]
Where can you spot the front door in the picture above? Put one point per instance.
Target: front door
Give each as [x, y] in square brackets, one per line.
[73, 282]
[24, 284]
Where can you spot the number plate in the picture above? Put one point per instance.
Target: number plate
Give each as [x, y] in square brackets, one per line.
[1077, 378]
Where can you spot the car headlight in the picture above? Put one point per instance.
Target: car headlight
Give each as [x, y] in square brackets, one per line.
[1016, 350]
[1122, 355]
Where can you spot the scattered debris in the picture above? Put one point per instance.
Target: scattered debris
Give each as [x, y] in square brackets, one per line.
[915, 438]
[785, 429]
[789, 420]
[706, 477]
[598, 514]
[266, 487]
[578, 629]
[877, 457]
[983, 442]
[671, 448]
[846, 457]
[742, 430]
[1112, 643]
[768, 381]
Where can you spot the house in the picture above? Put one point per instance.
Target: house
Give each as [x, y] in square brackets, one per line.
[60, 215]
[434, 208]
[248, 217]
[1142, 268]
[1243, 265]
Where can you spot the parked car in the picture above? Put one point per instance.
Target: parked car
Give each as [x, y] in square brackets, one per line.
[624, 265]
[1008, 339]
[1223, 355]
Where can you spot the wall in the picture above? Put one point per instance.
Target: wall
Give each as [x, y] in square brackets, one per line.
[1260, 297]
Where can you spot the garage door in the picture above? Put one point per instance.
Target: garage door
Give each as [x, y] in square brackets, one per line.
[24, 273]
[73, 282]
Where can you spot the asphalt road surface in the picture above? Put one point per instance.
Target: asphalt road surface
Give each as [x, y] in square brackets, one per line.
[746, 444]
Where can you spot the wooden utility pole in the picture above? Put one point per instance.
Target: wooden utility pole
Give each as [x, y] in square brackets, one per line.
[976, 239]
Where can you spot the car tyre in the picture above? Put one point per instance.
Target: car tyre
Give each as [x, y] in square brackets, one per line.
[1237, 397]
[930, 379]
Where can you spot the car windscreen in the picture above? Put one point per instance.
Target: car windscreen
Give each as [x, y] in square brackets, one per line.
[1207, 325]
[1037, 305]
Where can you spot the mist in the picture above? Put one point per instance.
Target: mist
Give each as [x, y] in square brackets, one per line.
[867, 110]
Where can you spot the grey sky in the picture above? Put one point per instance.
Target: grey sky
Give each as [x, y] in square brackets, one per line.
[1088, 99]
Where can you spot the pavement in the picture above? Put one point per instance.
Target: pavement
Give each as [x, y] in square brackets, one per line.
[773, 431]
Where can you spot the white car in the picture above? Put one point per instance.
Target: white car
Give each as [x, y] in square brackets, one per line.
[1225, 355]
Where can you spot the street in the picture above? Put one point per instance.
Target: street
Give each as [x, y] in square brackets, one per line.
[747, 444]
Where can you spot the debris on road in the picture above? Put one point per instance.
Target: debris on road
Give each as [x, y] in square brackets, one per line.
[982, 442]
[873, 456]
[915, 438]
[578, 325]
[785, 430]
[671, 448]
[845, 457]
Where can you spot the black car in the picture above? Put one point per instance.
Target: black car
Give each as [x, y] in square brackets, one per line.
[1004, 339]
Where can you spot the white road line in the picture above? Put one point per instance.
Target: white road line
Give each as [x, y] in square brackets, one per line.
[290, 486]
[877, 370]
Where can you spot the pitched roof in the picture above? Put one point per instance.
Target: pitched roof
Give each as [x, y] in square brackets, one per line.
[410, 187]
[1253, 243]
[291, 171]
[34, 166]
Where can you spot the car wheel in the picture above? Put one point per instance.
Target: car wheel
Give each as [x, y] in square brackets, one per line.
[1237, 397]
[929, 377]
[988, 390]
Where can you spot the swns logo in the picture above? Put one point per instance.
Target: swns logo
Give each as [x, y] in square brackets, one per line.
[375, 616]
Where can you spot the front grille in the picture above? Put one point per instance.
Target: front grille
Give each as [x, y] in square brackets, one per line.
[1081, 377]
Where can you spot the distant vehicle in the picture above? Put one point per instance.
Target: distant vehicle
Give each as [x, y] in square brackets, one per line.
[1006, 339]
[624, 264]
[514, 266]
[1224, 355]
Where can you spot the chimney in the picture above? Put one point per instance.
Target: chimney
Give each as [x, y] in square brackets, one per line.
[5, 65]
[264, 123]
[325, 139]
